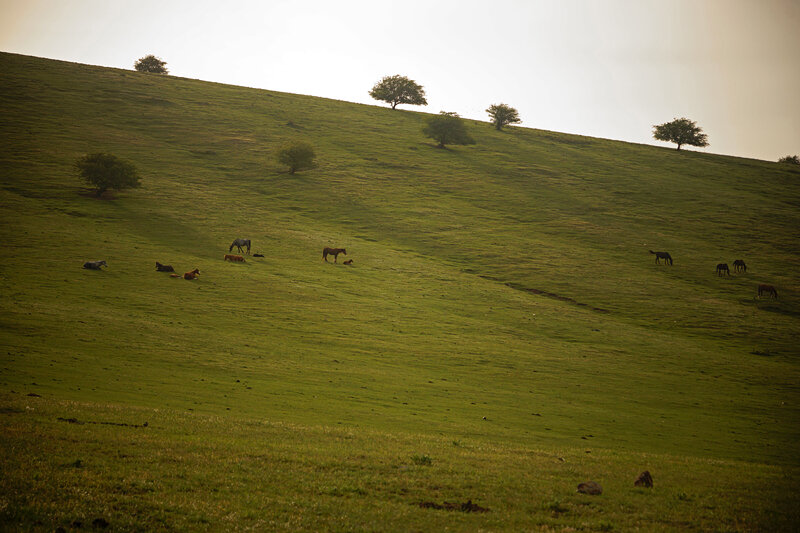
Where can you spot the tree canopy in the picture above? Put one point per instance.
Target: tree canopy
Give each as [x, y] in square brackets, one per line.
[398, 90]
[107, 171]
[503, 115]
[681, 131]
[297, 155]
[152, 64]
[447, 128]
[791, 159]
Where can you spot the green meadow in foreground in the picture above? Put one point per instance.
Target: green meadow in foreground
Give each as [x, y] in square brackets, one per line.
[502, 335]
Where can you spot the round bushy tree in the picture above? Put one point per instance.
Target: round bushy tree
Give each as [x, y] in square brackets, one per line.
[398, 90]
[503, 115]
[791, 159]
[681, 131]
[152, 64]
[447, 128]
[106, 171]
[297, 155]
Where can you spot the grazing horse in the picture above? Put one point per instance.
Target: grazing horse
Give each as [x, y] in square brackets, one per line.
[238, 243]
[334, 252]
[739, 265]
[233, 258]
[723, 267]
[191, 275]
[94, 265]
[164, 268]
[662, 255]
[767, 289]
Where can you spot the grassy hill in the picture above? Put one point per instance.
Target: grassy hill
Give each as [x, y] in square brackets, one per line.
[502, 335]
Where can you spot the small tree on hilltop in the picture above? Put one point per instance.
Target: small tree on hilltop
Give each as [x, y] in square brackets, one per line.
[152, 64]
[791, 159]
[106, 171]
[447, 128]
[297, 155]
[681, 131]
[503, 115]
[398, 90]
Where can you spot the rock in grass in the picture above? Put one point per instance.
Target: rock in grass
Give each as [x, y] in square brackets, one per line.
[644, 480]
[590, 487]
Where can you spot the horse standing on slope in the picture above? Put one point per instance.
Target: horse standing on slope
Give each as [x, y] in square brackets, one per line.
[739, 265]
[723, 267]
[662, 255]
[334, 252]
[769, 290]
[238, 243]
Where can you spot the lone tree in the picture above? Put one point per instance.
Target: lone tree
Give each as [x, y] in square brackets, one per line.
[503, 115]
[297, 155]
[106, 171]
[791, 159]
[447, 128]
[681, 131]
[152, 64]
[398, 90]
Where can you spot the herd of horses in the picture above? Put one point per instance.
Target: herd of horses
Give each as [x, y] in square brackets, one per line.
[244, 244]
[722, 268]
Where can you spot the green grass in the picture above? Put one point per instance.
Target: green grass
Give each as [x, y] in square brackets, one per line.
[502, 311]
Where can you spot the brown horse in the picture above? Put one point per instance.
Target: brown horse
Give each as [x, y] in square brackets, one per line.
[662, 255]
[233, 258]
[334, 252]
[191, 275]
[723, 267]
[348, 262]
[739, 265]
[769, 290]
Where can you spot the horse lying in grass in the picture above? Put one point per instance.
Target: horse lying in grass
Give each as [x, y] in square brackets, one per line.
[191, 275]
[164, 268]
[662, 255]
[233, 258]
[94, 265]
[769, 290]
[334, 252]
[723, 267]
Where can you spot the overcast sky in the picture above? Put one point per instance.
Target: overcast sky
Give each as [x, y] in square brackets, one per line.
[604, 68]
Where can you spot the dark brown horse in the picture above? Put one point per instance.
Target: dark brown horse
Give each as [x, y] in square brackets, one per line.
[164, 268]
[191, 275]
[769, 290]
[662, 255]
[739, 265]
[723, 267]
[334, 252]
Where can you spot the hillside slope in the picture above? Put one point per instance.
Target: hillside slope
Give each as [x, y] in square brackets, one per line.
[502, 291]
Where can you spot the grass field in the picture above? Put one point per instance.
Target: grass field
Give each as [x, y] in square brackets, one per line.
[502, 335]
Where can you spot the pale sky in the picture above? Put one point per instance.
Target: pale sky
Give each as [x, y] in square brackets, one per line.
[604, 68]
